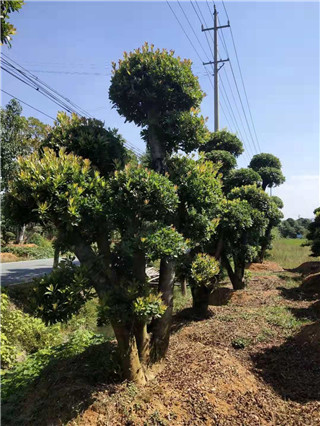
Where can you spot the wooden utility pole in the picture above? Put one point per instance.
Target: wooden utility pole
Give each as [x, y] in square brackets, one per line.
[215, 63]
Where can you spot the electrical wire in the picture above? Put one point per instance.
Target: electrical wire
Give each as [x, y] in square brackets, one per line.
[30, 106]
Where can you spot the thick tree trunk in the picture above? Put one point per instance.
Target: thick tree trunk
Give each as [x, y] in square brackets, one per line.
[143, 342]
[162, 326]
[97, 270]
[139, 266]
[200, 301]
[183, 286]
[20, 234]
[264, 244]
[157, 153]
[131, 366]
[235, 277]
[56, 256]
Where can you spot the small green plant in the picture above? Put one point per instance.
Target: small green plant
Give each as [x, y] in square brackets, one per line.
[240, 342]
[22, 334]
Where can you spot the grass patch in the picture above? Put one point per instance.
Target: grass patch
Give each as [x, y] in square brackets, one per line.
[283, 317]
[180, 301]
[289, 252]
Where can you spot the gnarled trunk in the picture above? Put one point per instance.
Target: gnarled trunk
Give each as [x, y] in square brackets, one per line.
[162, 326]
[131, 366]
[200, 300]
[236, 277]
[20, 234]
[143, 341]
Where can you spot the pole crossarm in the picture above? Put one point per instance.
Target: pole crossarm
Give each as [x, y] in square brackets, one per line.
[213, 28]
[212, 62]
[215, 63]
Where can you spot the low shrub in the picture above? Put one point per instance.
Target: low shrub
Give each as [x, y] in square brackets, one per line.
[22, 334]
[30, 252]
[23, 374]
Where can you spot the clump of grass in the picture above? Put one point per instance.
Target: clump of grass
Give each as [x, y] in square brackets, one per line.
[282, 317]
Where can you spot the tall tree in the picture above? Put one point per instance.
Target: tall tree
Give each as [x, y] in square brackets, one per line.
[313, 235]
[159, 93]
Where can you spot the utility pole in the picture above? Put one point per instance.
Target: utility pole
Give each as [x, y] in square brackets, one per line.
[215, 63]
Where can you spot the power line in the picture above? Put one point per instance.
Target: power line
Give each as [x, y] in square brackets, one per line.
[241, 76]
[36, 109]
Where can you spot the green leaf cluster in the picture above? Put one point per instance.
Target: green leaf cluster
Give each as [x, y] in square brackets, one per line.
[62, 293]
[150, 79]
[204, 270]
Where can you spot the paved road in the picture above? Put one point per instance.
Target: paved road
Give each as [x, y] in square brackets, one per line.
[16, 272]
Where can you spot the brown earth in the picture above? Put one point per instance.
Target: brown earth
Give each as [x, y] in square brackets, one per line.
[256, 361]
[311, 284]
[307, 268]
[265, 266]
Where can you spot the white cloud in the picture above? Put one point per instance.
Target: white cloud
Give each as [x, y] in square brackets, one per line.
[300, 195]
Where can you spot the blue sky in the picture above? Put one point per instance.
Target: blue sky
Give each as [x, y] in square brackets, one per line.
[278, 49]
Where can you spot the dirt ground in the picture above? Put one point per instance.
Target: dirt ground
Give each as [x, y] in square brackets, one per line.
[255, 361]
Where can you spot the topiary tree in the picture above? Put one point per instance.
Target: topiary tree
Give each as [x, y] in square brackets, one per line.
[241, 177]
[242, 225]
[112, 223]
[159, 93]
[200, 198]
[313, 236]
[225, 141]
[227, 161]
[269, 168]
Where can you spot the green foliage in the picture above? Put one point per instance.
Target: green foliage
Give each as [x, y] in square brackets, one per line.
[29, 252]
[200, 195]
[149, 79]
[127, 304]
[264, 160]
[180, 130]
[62, 293]
[58, 189]
[16, 380]
[313, 234]
[165, 242]
[7, 29]
[140, 195]
[88, 138]
[241, 177]
[204, 270]
[227, 160]
[290, 228]
[269, 168]
[23, 334]
[148, 307]
[225, 141]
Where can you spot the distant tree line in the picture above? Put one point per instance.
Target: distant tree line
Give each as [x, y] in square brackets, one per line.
[291, 228]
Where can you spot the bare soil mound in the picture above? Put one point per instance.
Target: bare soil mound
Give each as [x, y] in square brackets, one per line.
[307, 268]
[265, 266]
[311, 284]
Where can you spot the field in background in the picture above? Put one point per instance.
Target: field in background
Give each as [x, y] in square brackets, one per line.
[289, 253]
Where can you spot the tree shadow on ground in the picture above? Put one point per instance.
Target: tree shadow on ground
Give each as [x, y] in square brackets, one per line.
[185, 317]
[296, 294]
[293, 368]
[64, 388]
[310, 313]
